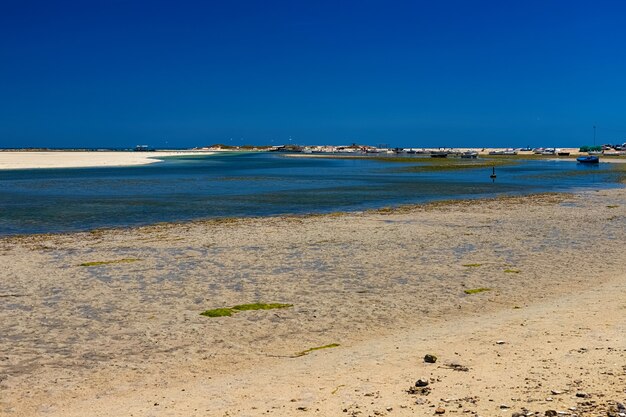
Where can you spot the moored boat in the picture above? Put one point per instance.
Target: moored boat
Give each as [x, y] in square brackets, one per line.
[439, 154]
[469, 155]
[591, 159]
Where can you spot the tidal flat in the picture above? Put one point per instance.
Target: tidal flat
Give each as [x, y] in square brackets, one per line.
[382, 287]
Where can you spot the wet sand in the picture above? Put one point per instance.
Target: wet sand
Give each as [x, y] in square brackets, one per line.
[388, 287]
[83, 159]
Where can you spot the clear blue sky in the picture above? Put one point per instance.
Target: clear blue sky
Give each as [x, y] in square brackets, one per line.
[408, 73]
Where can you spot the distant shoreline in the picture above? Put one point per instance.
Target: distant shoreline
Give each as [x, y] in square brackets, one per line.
[92, 158]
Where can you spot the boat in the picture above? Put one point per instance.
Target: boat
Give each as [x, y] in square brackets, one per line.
[440, 154]
[591, 159]
[469, 155]
[508, 152]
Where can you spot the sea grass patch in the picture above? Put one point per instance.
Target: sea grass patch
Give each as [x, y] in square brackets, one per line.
[115, 261]
[476, 290]
[512, 271]
[313, 349]
[260, 306]
[472, 265]
[229, 311]
[218, 312]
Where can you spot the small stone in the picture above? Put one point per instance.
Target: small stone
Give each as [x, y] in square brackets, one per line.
[556, 392]
[581, 394]
[421, 401]
[389, 409]
[500, 342]
[518, 415]
[421, 382]
[504, 406]
[550, 413]
[430, 358]
[301, 408]
[440, 410]
[549, 399]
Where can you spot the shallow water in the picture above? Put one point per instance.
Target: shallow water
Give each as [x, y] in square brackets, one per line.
[255, 184]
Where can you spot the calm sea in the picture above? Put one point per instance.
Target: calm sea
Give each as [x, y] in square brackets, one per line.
[255, 184]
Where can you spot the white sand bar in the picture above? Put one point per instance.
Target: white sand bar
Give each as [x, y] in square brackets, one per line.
[84, 159]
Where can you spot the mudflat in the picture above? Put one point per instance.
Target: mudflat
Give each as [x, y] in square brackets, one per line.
[521, 299]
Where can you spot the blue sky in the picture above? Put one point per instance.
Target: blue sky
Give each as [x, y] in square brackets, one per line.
[406, 73]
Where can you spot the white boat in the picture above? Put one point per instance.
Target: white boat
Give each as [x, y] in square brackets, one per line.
[469, 155]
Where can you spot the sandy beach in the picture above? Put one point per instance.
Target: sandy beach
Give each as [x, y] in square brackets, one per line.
[107, 323]
[83, 159]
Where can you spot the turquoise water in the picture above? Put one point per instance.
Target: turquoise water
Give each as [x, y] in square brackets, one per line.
[255, 184]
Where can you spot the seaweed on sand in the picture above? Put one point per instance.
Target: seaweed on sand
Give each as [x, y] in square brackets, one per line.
[476, 290]
[229, 311]
[313, 349]
[115, 261]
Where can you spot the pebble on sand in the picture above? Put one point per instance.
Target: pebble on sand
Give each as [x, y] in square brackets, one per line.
[430, 358]
[422, 382]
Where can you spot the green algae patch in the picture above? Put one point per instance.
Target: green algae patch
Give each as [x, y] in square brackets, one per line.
[612, 206]
[313, 349]
[512, 271]
[218, 312]
[476, 290]
[472, 265]
[116, 261]
[229, 311]
[260, 306]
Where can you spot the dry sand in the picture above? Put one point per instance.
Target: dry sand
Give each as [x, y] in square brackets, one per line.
[388, 287]
[83, 159]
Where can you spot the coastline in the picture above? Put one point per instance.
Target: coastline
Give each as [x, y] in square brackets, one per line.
[84, 159]
[12, 160]
[387, 286]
